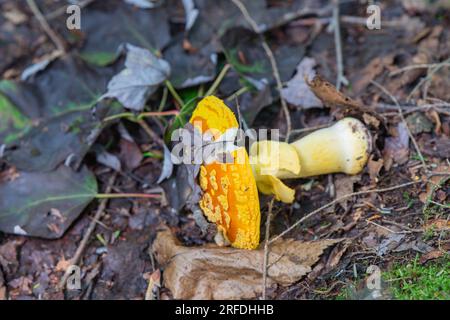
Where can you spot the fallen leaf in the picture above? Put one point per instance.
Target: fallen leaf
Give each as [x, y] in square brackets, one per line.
[431, 256]
[167, 168]
[63, 264]
[437, 225]
[154, 284]
[363, 77]
[331, 97]
[297, 92]
[389, 243]
[142, 75]
[374, 168]
[2, 287]
[211, 272]
[130, 154]
[396, 149]
[418, 123]
[434, 180]
[144, 4]
[344, 185]
[191, 13]
[27, 203]
[108, 159]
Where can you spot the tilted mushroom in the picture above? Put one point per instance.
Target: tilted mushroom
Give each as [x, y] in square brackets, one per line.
[230, 196]
[343, 147]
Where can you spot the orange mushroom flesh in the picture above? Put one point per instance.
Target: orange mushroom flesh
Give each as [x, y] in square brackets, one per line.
[230, 196]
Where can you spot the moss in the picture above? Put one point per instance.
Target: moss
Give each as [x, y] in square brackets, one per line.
[414, 281]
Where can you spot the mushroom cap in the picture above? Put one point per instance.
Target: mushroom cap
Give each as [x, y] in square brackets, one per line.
[230, 196]
[212, 114]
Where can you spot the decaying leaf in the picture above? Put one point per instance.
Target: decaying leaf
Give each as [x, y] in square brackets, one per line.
[374, 168]
[142, 75]
[45, 204]
[330, 96]
[396, 149]
[2, 287]
[211, 272]
[297, 92]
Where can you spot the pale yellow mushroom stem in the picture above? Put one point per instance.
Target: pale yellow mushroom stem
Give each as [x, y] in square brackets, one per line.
[343, 147]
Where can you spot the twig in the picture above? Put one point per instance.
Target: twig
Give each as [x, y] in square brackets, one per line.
[266, 248]
[400, 112]
[386, 228]
[308, 129]
[431, 72]
[44, 24]
[309, 215]
[60, 11]
[338, 44]
[98, 214]
[272, 60]
[150, 132]
[416, 66]
[402, 226]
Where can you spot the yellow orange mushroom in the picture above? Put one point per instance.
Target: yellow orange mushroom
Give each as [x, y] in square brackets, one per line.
[230, 196]
[343, 147]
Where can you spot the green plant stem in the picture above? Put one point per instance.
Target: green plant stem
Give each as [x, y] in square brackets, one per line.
[218, 80]
[174, 93]
[127, 195]
[133, 117]
[238, 93]
[163, 99]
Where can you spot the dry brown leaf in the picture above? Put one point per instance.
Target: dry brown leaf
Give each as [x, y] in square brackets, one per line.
[330, 96]
[363, 77]
[374, 168]
[154, 283]
[437, 225]
[396, 149]
[344, 185]
[423, 197]
[2, 287]
[211, 272]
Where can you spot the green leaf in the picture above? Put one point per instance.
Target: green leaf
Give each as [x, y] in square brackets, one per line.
[99, 58]
[45, 204]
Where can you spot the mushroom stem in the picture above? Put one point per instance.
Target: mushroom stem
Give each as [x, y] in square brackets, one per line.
[343, 147]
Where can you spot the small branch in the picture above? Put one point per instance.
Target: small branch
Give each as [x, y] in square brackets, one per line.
[44, 24]
[314, 212]
[99, 213]
[417, 66]
[266, 248]
[431, 72]
[150, 132]
[272, 60]
[338, 44]
[60, 11]
[218, 80]
[400, 112]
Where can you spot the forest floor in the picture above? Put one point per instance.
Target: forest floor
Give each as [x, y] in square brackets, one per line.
[64, 148]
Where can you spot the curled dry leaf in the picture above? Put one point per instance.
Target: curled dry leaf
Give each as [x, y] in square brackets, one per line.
[331, 97]
[211, 272]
